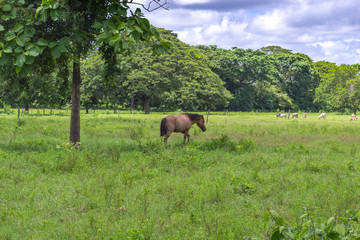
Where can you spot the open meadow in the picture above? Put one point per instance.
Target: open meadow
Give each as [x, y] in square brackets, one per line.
[226, 183]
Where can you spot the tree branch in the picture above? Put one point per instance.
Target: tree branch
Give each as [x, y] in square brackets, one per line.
[149, 8]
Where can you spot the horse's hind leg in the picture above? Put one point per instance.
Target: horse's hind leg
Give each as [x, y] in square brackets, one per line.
[186, 134]
[168, 133]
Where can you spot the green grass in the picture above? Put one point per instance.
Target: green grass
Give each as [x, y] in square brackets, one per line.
[124, 183]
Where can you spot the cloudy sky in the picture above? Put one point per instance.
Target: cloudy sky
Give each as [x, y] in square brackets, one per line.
[322, 29]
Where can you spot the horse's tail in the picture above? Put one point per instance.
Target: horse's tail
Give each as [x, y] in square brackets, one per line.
[163, 127]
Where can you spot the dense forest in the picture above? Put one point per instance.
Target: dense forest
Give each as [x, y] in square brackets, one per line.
[186, 78]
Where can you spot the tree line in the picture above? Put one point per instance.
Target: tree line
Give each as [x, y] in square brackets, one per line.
[192, 78]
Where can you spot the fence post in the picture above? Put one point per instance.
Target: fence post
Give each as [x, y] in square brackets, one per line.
[289, 115]
[18, 112]
[207, 118]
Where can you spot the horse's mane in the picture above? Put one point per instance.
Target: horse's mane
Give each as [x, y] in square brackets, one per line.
[193, 116]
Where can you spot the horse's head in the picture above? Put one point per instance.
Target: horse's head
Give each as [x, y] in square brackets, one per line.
[201, 123]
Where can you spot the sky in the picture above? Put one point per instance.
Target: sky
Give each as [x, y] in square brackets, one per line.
[325, 30]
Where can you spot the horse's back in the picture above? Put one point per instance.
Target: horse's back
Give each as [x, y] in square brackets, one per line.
[177, 123]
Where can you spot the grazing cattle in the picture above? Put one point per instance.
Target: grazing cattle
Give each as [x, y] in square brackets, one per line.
[295, 115]
[323, 115]
[304, 116]
[281, 115]
[353, 118]
[180, 123]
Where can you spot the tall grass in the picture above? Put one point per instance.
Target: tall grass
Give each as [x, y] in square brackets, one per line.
[125, 183]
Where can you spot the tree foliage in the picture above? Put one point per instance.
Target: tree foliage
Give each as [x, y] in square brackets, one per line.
[339, 87]
[180, 78]
[62, 31]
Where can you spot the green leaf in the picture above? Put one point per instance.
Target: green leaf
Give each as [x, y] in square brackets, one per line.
[20, 42]
[53, 44]
[6, 7]
[114, 39]
[62, 48]
[29, 45]
[29, 32]
[18, 27]
[42, 42]
[97, 25]
[125, 45]
[5, 17]
[56, 5]
[8, 50]
[20, 2]
[13, 13]
[20, 60]
[4, 59]
[64, 41]
[122, 11]
[30, 59]
[53, 15]
[103, 36]
[55, 52]
[136, 35]
[2, 28]
[18, 49]
[330, 220]
[112, 8]
[34, 52]
[10, 35]
[37, 11]
[340, 228]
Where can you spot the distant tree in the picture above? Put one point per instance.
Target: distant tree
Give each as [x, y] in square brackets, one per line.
[340, 86]
[275, 50]
[298, 78]
[92, 86]
[243, 71]
[180, 78]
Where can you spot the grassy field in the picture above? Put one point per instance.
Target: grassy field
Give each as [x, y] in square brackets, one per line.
[124, 183]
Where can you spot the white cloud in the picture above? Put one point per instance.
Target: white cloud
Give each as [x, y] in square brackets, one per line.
[272, 22]
[323, 29]
[186, 2]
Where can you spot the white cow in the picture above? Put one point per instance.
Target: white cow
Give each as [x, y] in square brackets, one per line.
[353, 118]
[323, 115]
[281, 115]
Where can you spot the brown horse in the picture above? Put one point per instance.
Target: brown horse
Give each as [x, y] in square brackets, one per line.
[180, 123]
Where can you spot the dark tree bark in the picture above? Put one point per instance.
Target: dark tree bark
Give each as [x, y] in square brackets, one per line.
[147, 105]
[75, 103]
[132, 102]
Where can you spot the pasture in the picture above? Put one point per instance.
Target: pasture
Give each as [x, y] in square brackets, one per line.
[125, 183]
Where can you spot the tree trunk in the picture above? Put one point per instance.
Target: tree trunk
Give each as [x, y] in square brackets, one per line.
[132, 103]
[75, 103]
[147, 105]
